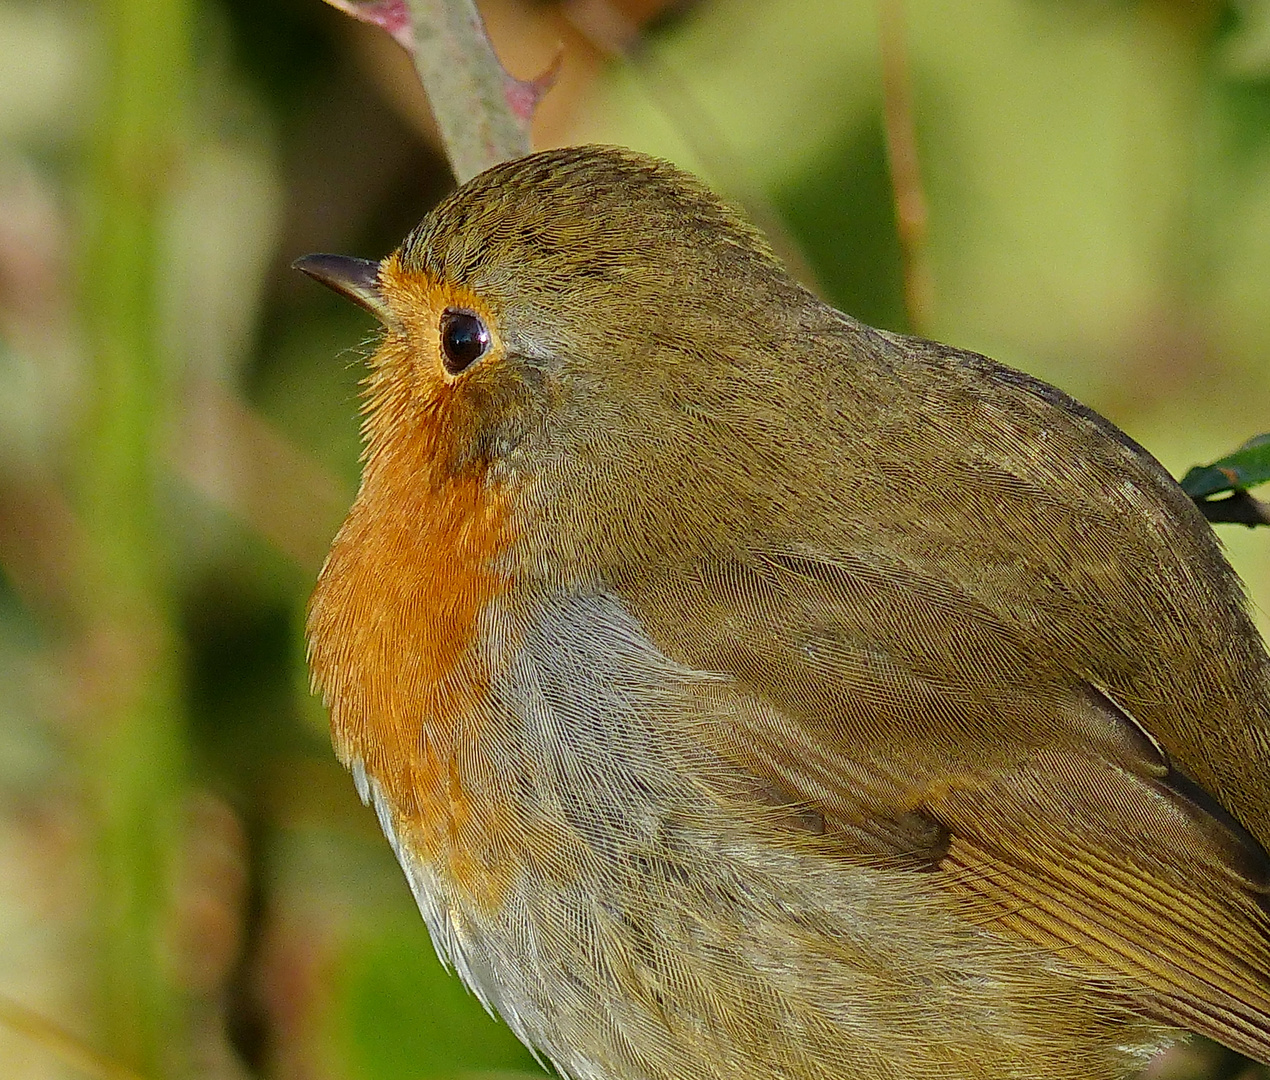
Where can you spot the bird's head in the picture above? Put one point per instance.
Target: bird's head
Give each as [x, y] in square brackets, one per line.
[592, 325]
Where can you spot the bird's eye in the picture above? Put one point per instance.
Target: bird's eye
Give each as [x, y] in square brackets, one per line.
[464, 339]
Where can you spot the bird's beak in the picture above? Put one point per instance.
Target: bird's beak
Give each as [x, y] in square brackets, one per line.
[358, 279]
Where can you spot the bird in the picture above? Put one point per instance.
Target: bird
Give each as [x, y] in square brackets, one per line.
[747, 692]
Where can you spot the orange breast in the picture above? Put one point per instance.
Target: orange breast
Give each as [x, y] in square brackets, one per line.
[393, 623]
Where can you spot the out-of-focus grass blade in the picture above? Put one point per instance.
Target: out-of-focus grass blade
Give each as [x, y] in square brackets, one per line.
[1235, 473]
[61, 1043]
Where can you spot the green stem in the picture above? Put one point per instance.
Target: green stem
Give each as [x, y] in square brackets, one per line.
[137, 759]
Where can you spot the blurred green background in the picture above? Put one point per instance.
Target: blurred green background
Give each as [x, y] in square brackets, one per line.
[188, 884]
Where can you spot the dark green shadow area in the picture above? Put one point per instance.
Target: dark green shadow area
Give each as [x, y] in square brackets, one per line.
[839, 210]
[408, 1019]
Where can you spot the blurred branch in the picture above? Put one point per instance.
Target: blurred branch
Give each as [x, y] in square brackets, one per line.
[1240, 508]
[136, 763]
[61, 1043]
[226, 452]
[238, 460]
[483, 112]
[911, 217]
[40, 543]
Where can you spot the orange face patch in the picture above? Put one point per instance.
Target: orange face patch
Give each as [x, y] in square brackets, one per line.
[417, 302]
[393, 619]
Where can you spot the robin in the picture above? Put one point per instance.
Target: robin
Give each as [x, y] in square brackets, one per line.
[748, 693]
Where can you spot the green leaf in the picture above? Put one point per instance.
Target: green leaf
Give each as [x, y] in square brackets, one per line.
[1245, 468]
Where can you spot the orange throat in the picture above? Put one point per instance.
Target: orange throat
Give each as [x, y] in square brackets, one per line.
[393, 622]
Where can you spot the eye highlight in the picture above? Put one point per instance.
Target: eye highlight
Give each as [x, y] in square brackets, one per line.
[464, 339]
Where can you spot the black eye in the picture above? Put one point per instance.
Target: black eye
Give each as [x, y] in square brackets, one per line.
[464, 339]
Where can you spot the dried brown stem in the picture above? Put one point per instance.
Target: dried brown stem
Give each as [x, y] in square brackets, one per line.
[911, 217]
[482, 112]
[61, 1043]
[237, 460]
[41, 543]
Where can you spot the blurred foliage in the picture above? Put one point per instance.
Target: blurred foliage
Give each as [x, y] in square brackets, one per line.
[838, 208]
[1098, 175]
[393, 982]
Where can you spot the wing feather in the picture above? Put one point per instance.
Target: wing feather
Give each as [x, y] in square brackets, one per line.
[876, 697]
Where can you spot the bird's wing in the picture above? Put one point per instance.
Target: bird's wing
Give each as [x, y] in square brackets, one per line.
[925, 731]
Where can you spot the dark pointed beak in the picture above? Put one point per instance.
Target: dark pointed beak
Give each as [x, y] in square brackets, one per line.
[358, 279]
